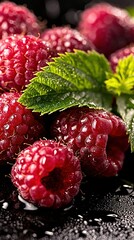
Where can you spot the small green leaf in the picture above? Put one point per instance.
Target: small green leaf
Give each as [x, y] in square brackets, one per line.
[130, 10]
[126, 109]
[71, 79]
[122, 81]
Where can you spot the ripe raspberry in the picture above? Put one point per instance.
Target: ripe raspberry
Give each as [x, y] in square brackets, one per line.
[65, 39]
[119, 54]
[96, 136]
[15, 19]
[106, 26]
[18, 126]
[47, 173]
[20, 57]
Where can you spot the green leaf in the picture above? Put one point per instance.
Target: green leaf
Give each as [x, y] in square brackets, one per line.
[122, 81]
[130, 10]
[71, 79]
[125, 106]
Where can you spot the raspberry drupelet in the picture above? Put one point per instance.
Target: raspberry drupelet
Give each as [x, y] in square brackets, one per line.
[47, 174]
[97, 137]
[65, 39]
[18, 126]
[20, 58]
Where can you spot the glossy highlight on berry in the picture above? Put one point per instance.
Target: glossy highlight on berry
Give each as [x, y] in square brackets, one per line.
[47, 174]
[97, 137]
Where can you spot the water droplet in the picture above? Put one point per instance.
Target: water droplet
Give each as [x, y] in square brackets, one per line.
[5, 205]
[68, 208]
[97, 219]
[25, 231]
[49, 233]
[128, 186]
[34, 235]
[83, 233]
[124, 189]
[28, 206]
[6, 126]
[85, 223]
[112, 215]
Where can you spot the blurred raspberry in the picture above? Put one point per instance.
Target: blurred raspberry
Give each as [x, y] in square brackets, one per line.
[107, 27]
[17, 19]
[119, 54]
[64, 39]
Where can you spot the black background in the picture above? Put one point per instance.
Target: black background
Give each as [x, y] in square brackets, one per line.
[59, 12]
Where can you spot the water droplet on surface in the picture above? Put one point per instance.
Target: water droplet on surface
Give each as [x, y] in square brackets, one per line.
[83, 234]
[112, 215]
[68, 208]
[97, 219]
[85, 222]
[49, 233]
[5, 205]
[28, 206]
[124, 189]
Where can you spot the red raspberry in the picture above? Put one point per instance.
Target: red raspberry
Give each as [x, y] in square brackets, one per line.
[20, 57]
[47, 174]
[65, 39]
[119, 54]
[96, 136]
[18, 126]
[106, 26]
[15, 19]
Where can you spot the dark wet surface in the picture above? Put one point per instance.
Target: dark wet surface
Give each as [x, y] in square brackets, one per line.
[104, 209]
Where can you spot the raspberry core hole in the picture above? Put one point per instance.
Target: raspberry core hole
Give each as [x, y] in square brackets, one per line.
[54, 180]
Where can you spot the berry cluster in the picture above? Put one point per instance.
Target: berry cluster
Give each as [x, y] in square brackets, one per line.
[48, 172]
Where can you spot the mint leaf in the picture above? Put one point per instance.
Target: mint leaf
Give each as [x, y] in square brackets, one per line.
[130, 11]
[122, 81]
[125, 106]
[71, 79]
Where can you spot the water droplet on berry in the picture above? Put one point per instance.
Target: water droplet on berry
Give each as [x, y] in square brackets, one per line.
[6, 126]
[5, 109]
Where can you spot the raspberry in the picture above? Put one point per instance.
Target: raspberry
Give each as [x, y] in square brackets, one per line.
[119, 54]
[106, 26]
[18, 126]
[65, 39]
[97, 137]
[20, 58]
[47, 174]
[15, 19]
